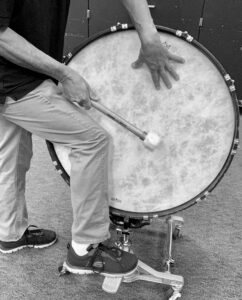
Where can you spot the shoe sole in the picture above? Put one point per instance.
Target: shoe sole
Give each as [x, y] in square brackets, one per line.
[70, 269]
[27, 246]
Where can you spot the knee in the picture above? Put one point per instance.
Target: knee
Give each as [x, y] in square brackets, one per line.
[95, 140]
[103, 138]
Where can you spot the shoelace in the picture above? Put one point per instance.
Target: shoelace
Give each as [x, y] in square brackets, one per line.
[100, 253]
[31, 236]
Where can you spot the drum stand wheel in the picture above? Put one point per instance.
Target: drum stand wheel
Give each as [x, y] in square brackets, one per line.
[145, 272]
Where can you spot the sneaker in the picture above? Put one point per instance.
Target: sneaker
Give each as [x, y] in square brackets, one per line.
[32, 238]
[102, 259]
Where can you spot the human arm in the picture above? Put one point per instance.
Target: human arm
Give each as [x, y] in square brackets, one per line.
[19, 51]
[156, 56]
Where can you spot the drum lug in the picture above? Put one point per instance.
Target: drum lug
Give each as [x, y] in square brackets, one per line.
[185, 35]
[67, 57]
[230, 82]
[119, 26]
[204, 197]
[232, 88]
[236, 146]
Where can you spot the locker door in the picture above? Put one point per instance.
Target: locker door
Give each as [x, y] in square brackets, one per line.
[77, 24]
[221, 33]
[106, 13]
[177, 14]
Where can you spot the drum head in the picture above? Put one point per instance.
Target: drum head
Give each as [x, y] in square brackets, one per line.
[196, 121]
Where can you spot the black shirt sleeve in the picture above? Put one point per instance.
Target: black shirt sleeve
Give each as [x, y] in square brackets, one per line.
[6, 10]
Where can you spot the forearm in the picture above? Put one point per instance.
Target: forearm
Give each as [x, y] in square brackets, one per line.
[19, 51]
[140, 14]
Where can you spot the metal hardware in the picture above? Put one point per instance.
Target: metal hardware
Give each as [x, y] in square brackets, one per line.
[145, 272]
[227, 77]
[185, 35]
[179, 33]
[230, 82]
[173, 222]
[124, 26]
[198, 200]
[119, 26]
[59, 171]
[189, 38]
[236, 147]
[200, 22]
[113, 28]
[151, 6]
[206, 194]
[69, 55]
[88, 13]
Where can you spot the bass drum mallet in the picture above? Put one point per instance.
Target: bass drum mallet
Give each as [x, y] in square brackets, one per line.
[150, 139]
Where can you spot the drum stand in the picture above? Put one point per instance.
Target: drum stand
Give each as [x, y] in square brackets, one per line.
[143, 271]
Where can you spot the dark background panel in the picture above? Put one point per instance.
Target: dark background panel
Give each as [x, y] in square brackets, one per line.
[77, 24]
[106, 13]
[221, 33]
[177, 14]
[223, 13]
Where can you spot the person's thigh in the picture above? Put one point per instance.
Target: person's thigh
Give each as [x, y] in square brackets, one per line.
[46, 113]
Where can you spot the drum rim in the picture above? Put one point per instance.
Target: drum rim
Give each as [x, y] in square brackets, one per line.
[234, 145]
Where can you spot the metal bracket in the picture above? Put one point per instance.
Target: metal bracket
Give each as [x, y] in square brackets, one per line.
[151, 6]
[185, 35]
[236, 147]
[119, 26]
[88, 13]
[145, 272]
[230, 82]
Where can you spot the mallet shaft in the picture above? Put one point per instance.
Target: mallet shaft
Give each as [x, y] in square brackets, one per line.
[103, 109]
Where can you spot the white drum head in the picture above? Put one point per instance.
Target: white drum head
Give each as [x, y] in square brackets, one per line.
[196, 121]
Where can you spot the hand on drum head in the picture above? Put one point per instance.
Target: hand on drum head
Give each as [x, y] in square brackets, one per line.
[76, 89]
[158, 59]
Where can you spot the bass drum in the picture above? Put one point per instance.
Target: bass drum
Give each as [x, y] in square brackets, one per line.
[197, 121]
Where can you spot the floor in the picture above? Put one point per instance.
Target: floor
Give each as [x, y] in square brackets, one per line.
[208, 256]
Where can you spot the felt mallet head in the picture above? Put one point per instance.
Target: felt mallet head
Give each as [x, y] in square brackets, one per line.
[152, 140]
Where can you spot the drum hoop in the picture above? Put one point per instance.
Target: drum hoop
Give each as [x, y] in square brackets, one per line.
[230, 84]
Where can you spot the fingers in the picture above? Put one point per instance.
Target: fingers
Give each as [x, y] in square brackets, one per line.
[165, 79]
[85, 104]
[138, 63]
[173, 73]
[93, 96]
[155, 78]
[176, 58]
[160, 69]
[90, 96]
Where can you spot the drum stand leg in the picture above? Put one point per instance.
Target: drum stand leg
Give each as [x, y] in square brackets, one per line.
[174, 225]
[145, 272]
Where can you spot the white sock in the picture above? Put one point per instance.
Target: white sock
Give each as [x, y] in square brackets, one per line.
[80, 249]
